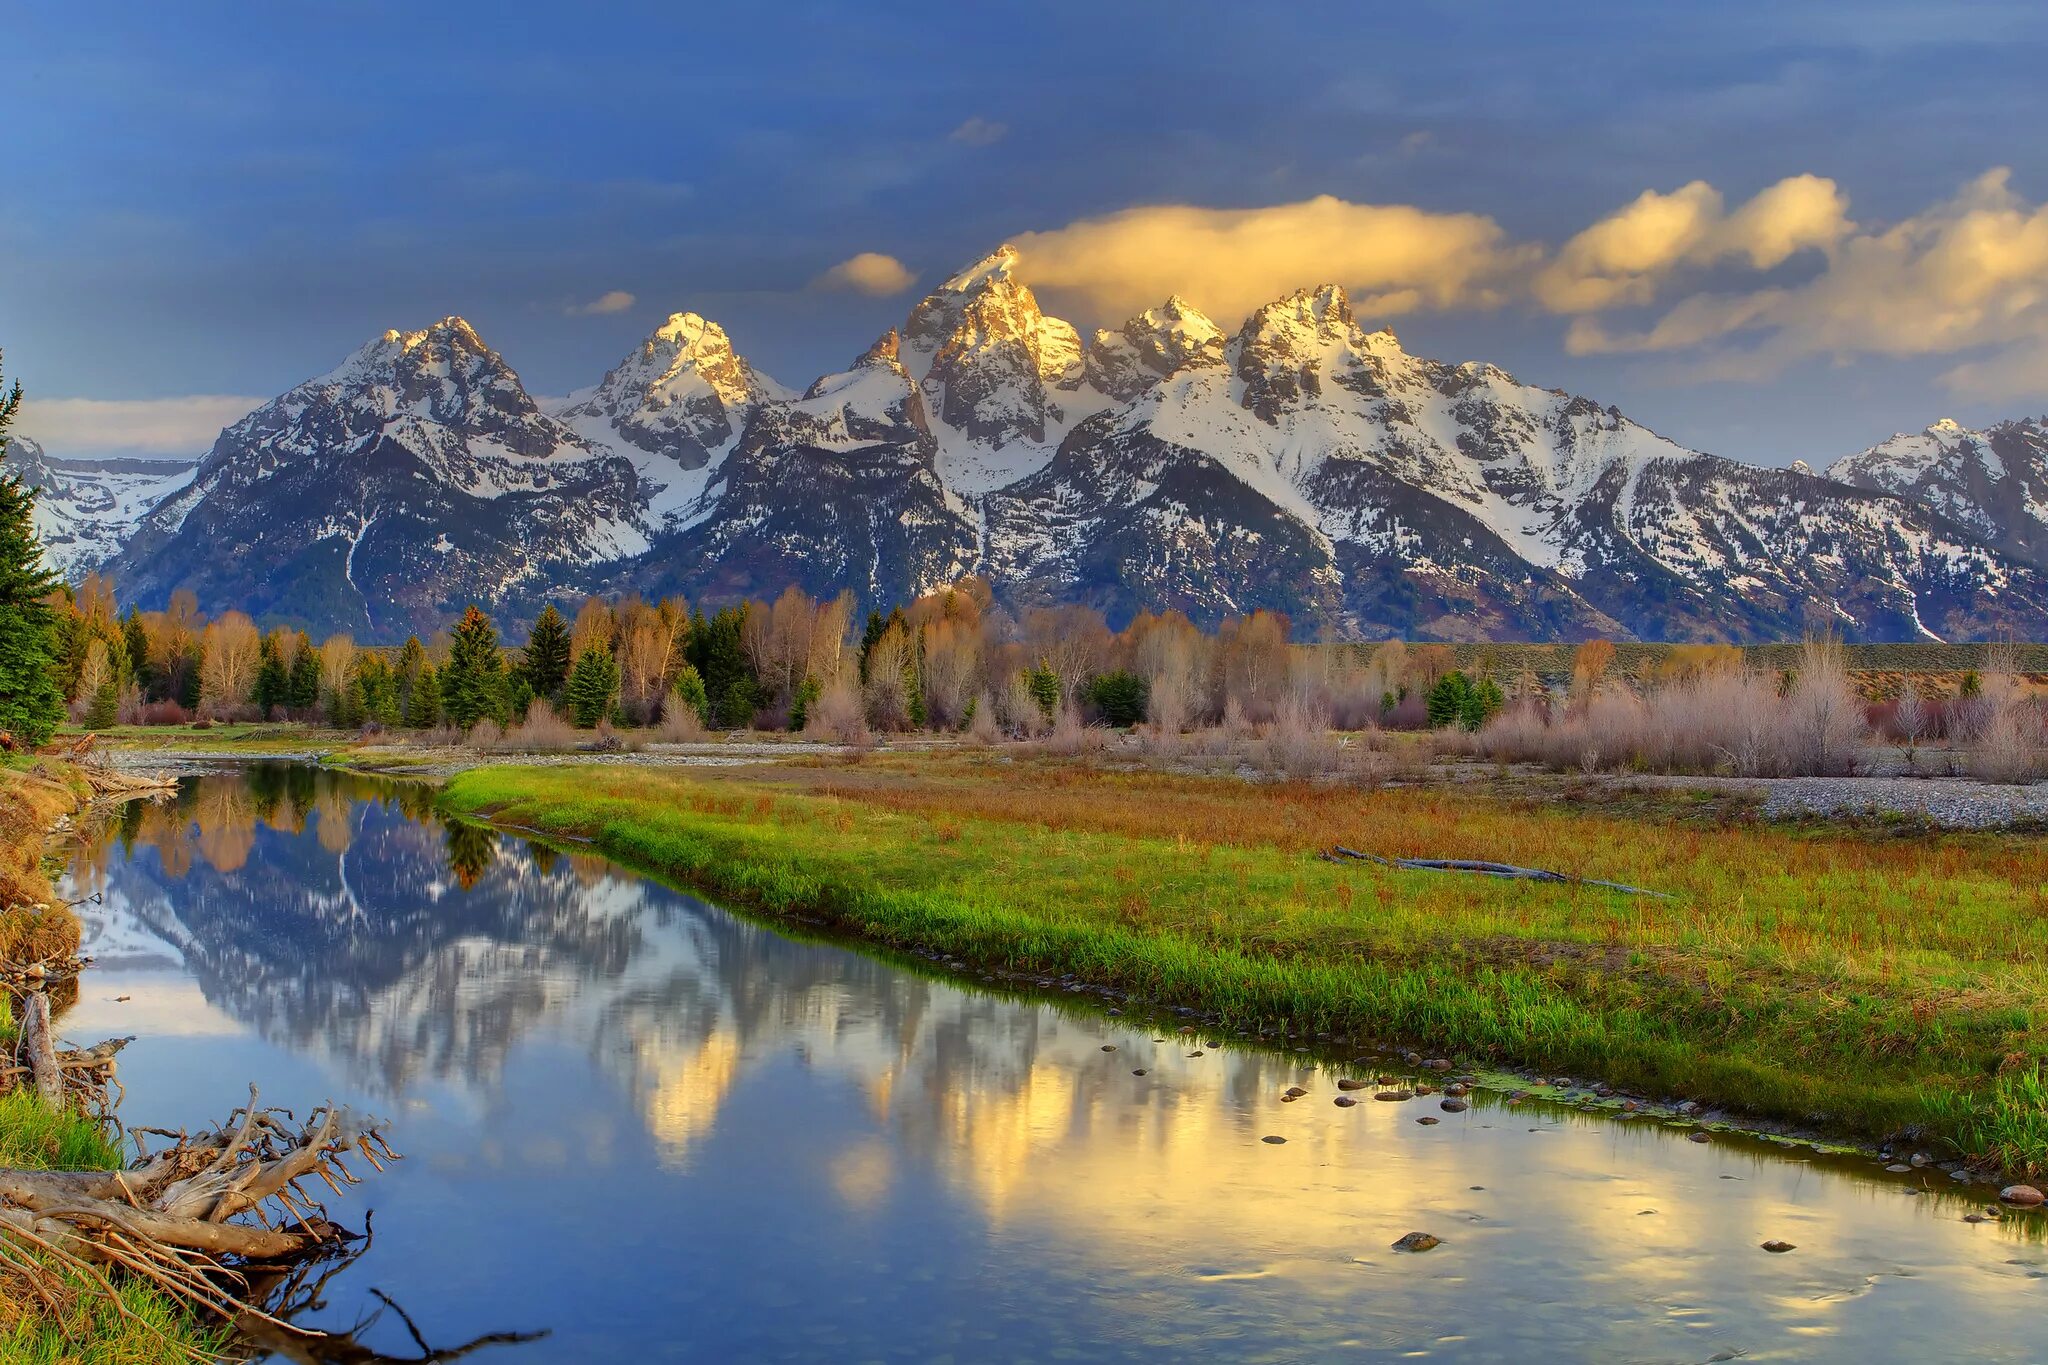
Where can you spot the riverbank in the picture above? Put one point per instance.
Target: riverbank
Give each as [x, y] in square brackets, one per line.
[48, 1314]
[1871, 986]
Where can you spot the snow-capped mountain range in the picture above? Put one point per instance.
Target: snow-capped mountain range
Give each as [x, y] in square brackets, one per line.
[1302, 462]
[88, 508]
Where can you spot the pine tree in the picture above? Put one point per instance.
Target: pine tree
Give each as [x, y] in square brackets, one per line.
[302, 689]
[807, 693]
[688, 686]
[273, 683]
[721, 661]
[592, 687]
[30, 704]
[423, 702]
[546, 659]
[473, 684]
[135, 637]
[1448, 700]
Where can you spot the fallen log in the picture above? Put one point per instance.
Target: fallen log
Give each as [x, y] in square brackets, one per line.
[1509, 871]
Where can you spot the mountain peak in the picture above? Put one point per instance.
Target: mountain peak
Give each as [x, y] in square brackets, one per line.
[887, 350]
[997, 265]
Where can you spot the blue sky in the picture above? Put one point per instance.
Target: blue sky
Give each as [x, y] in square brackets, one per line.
[221, 200]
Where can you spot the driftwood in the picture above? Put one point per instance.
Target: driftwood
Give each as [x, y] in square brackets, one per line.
[116, 784]
[1339, 853]
[201, 1216]
[39, 1050]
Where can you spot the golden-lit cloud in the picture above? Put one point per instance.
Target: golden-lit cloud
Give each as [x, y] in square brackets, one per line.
[1626, 257]
[609, 302]
[1395, 258]
[1968, 274]
[870, 273]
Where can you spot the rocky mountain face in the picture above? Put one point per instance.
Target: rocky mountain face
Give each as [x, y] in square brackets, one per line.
[86, 509]
[1994, 482]
[385, 496]
[1303, 462]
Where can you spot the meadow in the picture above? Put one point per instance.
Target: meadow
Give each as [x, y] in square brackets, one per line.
[1870, 985]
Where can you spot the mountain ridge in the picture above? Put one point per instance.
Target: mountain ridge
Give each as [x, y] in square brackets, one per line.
[1301, 462]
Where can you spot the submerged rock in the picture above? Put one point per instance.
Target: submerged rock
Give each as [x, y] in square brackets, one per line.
[1395, 1095]
[1418, 1241]
[1351, 1083]
[2026, 1196]
[1276, 1141]
[1428, 1119]
[1344, 1101]
[1778, 1248]
[1452, 1106]
[1294, 1092]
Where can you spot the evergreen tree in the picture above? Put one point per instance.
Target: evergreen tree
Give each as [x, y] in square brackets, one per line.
[30, 704]
[302, 688]
[373, 691]
[273, 682]
[546, 659]
[423, 702]
[473, 684]
[1447, 700]
[721, 661]
[807, 693]
[869, 638]
[1044, 686]
[593, 686]
[1483, 702]
[1121, 697]
[105, 706]
[135, 638]
[688, 686]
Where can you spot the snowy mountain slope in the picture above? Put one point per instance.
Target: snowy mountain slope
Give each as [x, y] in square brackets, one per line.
[86, 509]
[1994, 482]
[836, 490]
[387, 495]
[1001, 382]
[674, 408]
[1302, 462]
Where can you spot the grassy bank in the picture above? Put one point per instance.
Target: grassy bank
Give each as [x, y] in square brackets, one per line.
[67, 1318]
[1869, 985]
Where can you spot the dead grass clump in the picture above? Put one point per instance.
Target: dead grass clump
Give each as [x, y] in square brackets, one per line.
[679, 724]
[32, 925]
[485, 735]
[2009, 741]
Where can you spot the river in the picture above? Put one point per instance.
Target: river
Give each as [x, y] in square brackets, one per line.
[656, 1130]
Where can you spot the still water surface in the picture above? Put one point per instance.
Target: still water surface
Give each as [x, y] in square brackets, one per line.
[659, 1131]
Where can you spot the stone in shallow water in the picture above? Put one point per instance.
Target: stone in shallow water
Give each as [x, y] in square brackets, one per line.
[1294, 1092]
[1395, 1095]
[2026, 1196]
[1418, 1241]
[1899, 1168]
[1452, 1106]
[1109, 1047]
[1428, 1119]
[1276, 1141]
[1778, 1248]
[1139, 1072]
[1352, 1083]
[1697, 1137]
[1344, 1101]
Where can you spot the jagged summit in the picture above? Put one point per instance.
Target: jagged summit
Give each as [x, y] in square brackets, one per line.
[998, 265]
[1289, 459]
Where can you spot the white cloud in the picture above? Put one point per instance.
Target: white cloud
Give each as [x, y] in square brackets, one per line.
[1230, 261]
[139, 426]
[870, 272]
[1626, 257]
[1967, 275]
[611, 301]
[979, 132]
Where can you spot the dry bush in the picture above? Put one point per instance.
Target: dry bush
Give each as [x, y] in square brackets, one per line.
[1299, 744]
[165, 713]
[679, 723]
[1823, 716]
[1018, 710]
[1071, 737]
[542, 731]
[440, 737]
[486, 734]
[2009, 742]
[839, 717]
[982, 727]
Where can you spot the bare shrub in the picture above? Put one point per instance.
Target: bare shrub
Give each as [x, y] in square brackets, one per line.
[679, 723]
[1299, 744]
[1018, 710]
[1071, 737]
[982, 727]
[486, 735]
[1824, 719]
[2009, 743]
[542, 731]
[838, 716]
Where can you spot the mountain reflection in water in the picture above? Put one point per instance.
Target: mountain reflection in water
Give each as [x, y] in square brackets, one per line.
[666, 1132]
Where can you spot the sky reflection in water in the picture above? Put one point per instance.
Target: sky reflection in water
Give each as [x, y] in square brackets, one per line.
[664, 1132]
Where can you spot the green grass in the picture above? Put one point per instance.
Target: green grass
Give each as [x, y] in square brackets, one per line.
[1867, 986]
[32, 1137]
